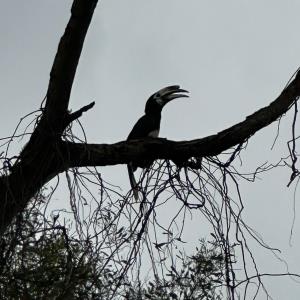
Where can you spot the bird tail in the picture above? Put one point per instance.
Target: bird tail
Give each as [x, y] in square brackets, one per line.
[132, 180]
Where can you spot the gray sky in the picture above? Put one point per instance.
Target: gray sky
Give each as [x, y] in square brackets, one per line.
[233, 56]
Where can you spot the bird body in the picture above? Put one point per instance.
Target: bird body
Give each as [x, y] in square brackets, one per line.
[149, 124]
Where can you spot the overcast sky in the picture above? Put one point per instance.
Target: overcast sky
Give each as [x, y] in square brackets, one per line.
[233, 56]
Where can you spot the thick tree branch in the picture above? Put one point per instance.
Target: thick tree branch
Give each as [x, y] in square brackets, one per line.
[79, 155]
[46, 155]
[41, 158]
[55, 117]
[66, 60]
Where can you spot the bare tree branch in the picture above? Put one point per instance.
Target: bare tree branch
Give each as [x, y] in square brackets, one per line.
[66, 60]
[77, 114]
[118, 222]
[46, 155]
[40, 158]
[79, 155]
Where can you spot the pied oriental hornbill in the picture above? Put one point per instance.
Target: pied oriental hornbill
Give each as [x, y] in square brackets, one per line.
[148, 125]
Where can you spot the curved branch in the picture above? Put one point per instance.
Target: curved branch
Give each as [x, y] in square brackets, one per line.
[46, 155]
[66, 60]
[78, 155]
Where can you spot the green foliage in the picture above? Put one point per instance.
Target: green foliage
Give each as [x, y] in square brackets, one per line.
[39, 259]
[200, 277]
[39, 262]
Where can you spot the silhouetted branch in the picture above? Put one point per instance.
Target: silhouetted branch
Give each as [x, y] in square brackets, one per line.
[203, 187]
[79, 155]
[77, 114]
[66, 60]
[40, 159]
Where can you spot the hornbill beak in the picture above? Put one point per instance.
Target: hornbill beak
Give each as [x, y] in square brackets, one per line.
[171, 92]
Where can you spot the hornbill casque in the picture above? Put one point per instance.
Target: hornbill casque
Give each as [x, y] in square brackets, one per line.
[148, 125]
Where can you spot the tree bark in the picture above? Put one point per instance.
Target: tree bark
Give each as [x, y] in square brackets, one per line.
[46, 154]
[41, 159]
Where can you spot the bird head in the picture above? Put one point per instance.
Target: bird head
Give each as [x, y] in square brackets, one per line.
[158, 100]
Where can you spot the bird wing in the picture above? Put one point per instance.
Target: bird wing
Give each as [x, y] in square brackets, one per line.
[142, 128]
